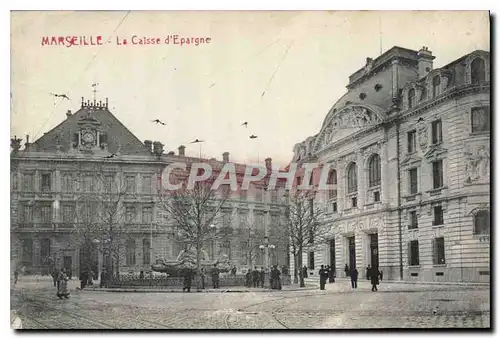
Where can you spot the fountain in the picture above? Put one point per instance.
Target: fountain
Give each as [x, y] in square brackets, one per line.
[186, 260]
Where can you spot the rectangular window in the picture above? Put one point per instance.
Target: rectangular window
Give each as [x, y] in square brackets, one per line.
[412, 141]
[437, 132]
[146, 185]
[68, 213]
[147, 215]
[334, 206]
[45, 249]
[130, 252]
[109, 183]
[88, 183]
[354, 202]
[130, 184]
[332, 194]
[437, 174]
[130, 214]
[28, 182]
[438, 216]
[310, 260]
[27, 248]
[27, 213]
[146, 251]
[413, 220]
[45, 213]
[46, 182]
[480, 119]
[413, 255]
[299, 181]
[438, 251]
[376, 196]
[413, 180]
[67, 183]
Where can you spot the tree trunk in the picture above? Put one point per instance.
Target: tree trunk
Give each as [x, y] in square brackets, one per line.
[198, 269]
[296, 270]
[301, 275]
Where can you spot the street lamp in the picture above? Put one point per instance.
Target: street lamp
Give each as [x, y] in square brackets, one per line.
[265, 248]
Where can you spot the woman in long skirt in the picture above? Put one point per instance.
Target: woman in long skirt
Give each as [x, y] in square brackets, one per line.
[62, 289]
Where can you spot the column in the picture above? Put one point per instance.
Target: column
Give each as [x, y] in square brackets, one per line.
[384, 175]
[395, 75]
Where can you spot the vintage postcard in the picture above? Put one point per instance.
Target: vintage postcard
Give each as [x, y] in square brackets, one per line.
[250, 170]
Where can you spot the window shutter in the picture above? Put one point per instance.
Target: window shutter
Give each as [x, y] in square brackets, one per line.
[417, 254]
[409, 253]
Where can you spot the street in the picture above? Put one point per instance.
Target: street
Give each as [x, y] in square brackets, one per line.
[395, 305]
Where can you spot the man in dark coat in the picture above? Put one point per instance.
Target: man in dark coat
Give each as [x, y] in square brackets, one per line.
[322, 277]
[202, 277]
[304, 271]
[262, 275]
[331, 274]
[354, 278]
[84, 278]
[215, 276]
[374, 274]
[346, 270]
[248, 279]
[255, 277]
[233, 270]
[187, 280]
[368, 269]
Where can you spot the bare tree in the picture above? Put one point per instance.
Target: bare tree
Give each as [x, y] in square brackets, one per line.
[103, 222]
[303, 225]
[196, 214]
[251, 238]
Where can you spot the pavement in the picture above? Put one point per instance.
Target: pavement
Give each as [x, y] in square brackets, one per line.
[395, 305]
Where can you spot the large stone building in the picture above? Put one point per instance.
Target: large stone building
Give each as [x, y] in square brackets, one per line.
[90, 166]
[409, 147]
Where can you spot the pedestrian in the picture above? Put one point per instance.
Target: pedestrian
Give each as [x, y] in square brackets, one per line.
[255, 277]
[262, 275]
[322, 279]
[215, 276]
[346, 270]
[62, 286]
[354, 278]
[83, 279]
[374, 274]
[202, 277]
[16, 276]
[187, 280]
[304, 271]
[141, 275]
[102, 283]
[368, 269]
[276, 281]
[381, 275]
[248, 279]
[331, 274]
[284, 270]
[233, 270]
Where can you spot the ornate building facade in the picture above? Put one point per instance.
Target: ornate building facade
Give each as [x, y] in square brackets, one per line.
[91, 166]
[409, 148]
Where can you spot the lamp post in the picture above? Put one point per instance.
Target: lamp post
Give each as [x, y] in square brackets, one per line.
[265, 248]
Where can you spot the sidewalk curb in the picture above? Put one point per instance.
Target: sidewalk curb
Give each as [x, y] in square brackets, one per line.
[415, 282]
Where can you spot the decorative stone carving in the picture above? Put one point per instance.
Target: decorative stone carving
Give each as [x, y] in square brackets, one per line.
[375, 223]
[15, 143]
[477, 165]
[299, 151]
[423, 137]
[350, 117]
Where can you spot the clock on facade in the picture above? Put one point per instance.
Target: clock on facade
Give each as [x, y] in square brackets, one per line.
[88, 138]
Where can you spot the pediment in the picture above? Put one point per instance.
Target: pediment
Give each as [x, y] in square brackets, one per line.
[435, 152]
[411, 159]
[347, 121]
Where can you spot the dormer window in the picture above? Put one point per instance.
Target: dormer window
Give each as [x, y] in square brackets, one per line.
[478, 71]
[436, 83]
[411, 98]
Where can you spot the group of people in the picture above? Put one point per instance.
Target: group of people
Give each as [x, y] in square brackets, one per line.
[188, 278]
[257, 278]
[61, 282]
[327, 273]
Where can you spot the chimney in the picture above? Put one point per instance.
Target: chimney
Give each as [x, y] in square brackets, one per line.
[157, 148]
[149, 145]
[182, 149]
[424, 58]
[68, 113]
[225, 157]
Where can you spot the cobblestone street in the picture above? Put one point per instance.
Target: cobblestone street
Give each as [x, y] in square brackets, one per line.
[393, 306]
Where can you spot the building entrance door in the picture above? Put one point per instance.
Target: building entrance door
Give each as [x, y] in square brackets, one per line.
[332, 254]
[374, 249]
[352, 253]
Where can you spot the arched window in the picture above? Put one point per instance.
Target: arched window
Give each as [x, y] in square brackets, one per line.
[436, 82]
[374, 171]
[332, 180]
[411, 98]
[477, 71]
[352, 178]
[482, 222]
